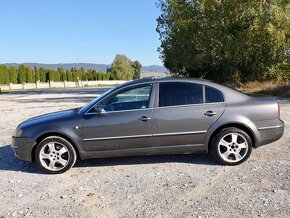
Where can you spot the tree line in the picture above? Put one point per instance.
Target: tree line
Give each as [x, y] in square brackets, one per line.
[27, 74]
[229, 41]
[120, 70]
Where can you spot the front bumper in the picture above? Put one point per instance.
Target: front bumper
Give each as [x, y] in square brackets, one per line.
[22, 147]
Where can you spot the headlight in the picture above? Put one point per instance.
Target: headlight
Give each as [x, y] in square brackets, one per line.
[17, 132]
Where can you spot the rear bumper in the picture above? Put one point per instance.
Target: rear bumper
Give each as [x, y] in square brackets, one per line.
[22, 147]
[270, 134]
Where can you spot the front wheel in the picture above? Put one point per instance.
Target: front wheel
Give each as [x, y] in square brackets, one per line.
[231, 146]
[55, 155]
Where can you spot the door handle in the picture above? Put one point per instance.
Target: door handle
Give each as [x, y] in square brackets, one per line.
[144, 119]
[210, 113]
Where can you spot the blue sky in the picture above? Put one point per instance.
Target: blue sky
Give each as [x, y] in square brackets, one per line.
[92, 31]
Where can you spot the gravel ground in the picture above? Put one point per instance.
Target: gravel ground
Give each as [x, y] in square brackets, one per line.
[156, 186]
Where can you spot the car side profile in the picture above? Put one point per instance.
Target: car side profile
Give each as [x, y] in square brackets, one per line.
[149, 117]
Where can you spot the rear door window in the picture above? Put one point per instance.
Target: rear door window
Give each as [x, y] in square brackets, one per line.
[179, 93]
[213, 95]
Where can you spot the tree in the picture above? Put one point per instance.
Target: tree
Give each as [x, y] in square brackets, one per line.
[29, 75]
[229, 40]
[53, 75]
[1, 74]
[99, 76]
[57, 76]
[21, 74]
[121, 68]
[75, 74]
[62, 74]
[137, 69]
[6, 74]
[42, 74]
[13, 74]
[48, 75]
[82, 74]
[36, 74]
[69, 76]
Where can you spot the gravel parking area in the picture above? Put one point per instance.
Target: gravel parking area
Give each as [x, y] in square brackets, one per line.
[155, 186]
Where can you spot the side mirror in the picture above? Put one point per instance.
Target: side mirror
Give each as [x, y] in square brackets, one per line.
[98, 109]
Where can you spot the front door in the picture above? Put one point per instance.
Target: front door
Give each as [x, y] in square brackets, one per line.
[125, 122]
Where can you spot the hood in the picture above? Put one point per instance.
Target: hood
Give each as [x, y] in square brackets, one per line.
[47, 118]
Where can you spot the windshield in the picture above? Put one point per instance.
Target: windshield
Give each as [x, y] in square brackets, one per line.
[93, 102]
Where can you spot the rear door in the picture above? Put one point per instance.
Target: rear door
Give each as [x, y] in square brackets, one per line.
[183, 114]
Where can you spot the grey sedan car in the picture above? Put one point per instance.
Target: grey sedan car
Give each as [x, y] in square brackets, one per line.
[152, 116]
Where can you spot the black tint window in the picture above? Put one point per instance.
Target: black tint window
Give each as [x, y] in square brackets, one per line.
[213, 95]
[178, 93]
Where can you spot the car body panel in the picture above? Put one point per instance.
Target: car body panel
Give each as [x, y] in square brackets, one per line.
[66, 123]
[171, 130]
[189, 127]
[117, 130]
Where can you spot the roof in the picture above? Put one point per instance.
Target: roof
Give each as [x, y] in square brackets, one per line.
[157, 79]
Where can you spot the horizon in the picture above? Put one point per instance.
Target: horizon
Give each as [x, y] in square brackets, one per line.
[60, 32]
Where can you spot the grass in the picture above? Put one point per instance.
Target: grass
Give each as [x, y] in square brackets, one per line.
[268, 88]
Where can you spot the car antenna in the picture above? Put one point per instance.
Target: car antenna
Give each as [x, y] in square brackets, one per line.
[207, 72]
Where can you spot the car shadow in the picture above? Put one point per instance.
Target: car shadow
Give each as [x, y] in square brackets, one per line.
[200, 159]
[8, 161]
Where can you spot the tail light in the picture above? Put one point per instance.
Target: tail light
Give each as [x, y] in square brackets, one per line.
[279, 110]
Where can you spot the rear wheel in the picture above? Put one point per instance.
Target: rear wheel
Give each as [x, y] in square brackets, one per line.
[55, 155]
[231, 146]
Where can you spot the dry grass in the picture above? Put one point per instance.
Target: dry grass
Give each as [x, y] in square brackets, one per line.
[268, 88]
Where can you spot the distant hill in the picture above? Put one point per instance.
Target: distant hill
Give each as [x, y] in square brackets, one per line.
[99, 67]
[154, 68]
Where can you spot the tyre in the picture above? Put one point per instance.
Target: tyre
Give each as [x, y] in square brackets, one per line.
[231, 146]
[55, 155]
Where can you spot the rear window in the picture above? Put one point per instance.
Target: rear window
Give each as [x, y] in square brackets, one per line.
[213, 95]
[179, 93]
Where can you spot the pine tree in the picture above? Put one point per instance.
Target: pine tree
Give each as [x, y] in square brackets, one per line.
[69, 76]
[6, 75]
[13, 74]
[1, 75]
[21, 74]
[29, 75]
[36, 74]
[42, 75]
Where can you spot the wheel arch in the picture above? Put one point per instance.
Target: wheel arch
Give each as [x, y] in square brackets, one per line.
[243, 127]
[50, 134]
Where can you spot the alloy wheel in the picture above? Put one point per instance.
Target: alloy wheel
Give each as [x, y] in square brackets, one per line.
[233, 147]
[54, 156]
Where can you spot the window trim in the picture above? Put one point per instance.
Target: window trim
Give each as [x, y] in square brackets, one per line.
[151, 98]
[189, 105]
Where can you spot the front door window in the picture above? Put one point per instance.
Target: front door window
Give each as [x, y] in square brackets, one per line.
[130, 99]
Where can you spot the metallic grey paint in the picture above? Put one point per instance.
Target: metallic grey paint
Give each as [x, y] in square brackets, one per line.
[168, 130]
